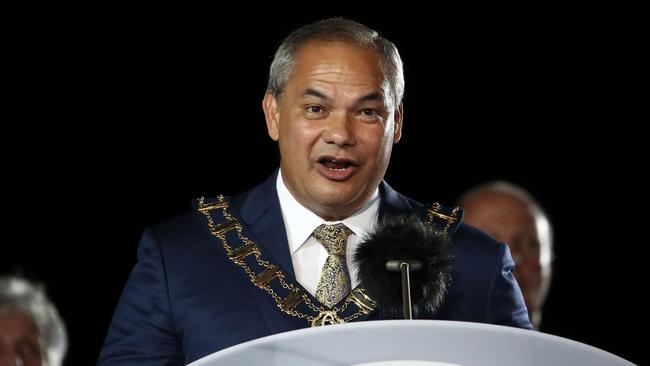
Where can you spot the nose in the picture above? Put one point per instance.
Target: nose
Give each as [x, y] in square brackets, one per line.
[340, 130]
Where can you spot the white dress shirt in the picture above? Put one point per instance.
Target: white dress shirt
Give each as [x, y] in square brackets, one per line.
[307, 254]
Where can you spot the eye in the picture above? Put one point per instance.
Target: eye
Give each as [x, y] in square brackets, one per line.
[369, 112]
[314, 109]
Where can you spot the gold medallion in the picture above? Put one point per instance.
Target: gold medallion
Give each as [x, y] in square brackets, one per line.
[326, 317]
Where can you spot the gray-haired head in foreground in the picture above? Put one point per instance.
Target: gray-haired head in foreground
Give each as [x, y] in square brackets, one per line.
[17, 294]
[337, 29]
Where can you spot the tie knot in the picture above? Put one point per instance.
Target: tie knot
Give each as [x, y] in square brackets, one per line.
[333, 237]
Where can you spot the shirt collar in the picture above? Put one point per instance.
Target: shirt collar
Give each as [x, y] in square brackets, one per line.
[300, 222]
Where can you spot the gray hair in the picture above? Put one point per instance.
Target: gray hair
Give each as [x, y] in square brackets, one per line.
[337, 29]
[17, 294]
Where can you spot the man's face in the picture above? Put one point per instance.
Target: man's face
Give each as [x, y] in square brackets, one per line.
[19, 340]
[335, 124]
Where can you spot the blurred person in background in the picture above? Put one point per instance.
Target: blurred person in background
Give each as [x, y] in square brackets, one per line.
[511, 215]
[31, 330]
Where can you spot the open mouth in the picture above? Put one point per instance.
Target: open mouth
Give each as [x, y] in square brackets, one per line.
[336, 168]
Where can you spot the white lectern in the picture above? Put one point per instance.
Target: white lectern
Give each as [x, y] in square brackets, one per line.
[412, 342]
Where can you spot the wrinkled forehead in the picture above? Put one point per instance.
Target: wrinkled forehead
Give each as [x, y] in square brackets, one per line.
[341, 64]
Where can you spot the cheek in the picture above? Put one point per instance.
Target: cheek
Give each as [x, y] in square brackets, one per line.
[382, 149]
[375, 138]
[297, 144]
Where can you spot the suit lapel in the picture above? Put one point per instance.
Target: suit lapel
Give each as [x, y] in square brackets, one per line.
[393, 203]
[260, 210]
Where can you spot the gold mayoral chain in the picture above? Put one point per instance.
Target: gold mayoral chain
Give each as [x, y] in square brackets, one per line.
[269, 277]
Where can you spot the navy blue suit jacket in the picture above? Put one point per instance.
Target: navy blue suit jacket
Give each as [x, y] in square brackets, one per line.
[185, 299]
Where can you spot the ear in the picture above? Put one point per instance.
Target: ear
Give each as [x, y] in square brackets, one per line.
[272, 115]
[398, 117]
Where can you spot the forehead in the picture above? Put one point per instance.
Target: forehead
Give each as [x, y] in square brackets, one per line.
[499, 210]
[337, 63]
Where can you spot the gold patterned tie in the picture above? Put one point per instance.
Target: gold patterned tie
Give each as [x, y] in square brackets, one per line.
[334, 283]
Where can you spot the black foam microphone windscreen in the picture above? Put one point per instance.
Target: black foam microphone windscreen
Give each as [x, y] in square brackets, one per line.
[405, 238]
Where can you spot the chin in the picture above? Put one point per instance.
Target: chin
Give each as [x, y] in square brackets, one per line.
[337, 198]
[334, 199]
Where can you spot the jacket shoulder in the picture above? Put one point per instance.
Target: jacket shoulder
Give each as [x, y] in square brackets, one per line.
[179, 225]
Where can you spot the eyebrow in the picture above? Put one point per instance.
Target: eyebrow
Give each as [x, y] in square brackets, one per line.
[315, 93]
[372, 96]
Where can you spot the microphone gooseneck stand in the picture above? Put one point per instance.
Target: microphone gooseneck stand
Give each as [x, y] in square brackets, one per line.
[405, 267]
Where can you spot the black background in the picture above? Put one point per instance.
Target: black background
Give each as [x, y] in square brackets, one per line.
[116, 118]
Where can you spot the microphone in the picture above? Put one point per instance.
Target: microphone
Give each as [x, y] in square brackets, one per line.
[405, 239]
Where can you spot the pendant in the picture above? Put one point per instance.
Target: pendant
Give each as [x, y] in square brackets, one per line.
[326, 317]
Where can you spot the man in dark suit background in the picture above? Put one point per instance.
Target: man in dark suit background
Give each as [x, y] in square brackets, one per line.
[279, 257]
